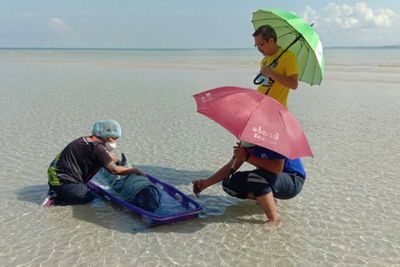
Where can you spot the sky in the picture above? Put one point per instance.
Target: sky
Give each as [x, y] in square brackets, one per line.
[169, 24]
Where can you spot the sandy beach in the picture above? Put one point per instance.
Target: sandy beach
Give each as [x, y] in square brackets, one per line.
[347, 214]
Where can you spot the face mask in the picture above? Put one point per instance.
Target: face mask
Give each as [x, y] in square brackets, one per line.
[112, 145]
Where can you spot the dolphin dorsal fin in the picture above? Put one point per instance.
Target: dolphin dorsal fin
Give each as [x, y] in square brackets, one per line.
[123, 159]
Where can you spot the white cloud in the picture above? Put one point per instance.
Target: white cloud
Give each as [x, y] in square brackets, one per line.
[346, 17]
[59, 26]
[61, 34]
[356, 24]
[310, 15]
[358, 16]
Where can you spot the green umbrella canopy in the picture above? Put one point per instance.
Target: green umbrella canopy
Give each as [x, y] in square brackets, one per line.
[308, 47]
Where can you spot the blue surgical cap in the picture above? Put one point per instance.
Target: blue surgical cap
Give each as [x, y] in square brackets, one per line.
[106, 128]
[95, 127]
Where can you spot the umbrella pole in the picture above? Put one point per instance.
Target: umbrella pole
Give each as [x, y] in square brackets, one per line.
[232, 169]
[286, 49]
[256, 81]
[276, 59]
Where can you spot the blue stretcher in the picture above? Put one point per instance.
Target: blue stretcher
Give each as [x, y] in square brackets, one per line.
[175, 205]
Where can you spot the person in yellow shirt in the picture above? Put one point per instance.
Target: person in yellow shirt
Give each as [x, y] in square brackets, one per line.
[278, 67]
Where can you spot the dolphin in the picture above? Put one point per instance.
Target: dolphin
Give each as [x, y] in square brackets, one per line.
[136, 189]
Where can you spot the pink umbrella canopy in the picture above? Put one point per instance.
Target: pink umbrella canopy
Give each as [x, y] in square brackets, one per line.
[255, 118]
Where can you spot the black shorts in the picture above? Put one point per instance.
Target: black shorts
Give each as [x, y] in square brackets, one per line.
[72, 193]
[260, 182]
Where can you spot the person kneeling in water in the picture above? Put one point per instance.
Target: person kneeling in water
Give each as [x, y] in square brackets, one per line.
[80, 160]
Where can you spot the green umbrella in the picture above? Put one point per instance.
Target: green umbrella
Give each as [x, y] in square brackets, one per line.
[298, 36]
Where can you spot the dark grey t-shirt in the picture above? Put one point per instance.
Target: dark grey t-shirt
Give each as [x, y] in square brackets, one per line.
[81, 159]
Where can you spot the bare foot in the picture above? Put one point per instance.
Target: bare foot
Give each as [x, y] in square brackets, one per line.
[273, 224]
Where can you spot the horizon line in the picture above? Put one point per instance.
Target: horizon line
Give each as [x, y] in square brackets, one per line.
[193, 48]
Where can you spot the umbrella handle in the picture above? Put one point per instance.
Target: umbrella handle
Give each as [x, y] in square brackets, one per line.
[257, 79]
[232, 170]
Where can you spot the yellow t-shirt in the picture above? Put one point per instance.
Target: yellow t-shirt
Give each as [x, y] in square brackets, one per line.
[287, 66]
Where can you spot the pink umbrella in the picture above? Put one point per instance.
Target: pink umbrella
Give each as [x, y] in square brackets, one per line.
[255, 118]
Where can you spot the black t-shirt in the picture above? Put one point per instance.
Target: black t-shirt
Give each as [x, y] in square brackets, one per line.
[81, 159]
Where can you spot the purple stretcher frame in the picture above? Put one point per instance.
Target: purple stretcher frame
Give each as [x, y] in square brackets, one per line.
[193, 208]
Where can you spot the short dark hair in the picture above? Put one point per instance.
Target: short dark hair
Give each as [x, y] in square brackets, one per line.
[266, 32]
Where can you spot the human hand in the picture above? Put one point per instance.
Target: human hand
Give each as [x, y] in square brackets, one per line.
[198, 186]
[240, 153]
[266, 71]
[139, 172]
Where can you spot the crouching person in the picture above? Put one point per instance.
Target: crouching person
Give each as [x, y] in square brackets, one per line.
[80, 160]
[275, 176]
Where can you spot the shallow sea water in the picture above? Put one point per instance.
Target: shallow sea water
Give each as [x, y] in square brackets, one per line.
[347, 214]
